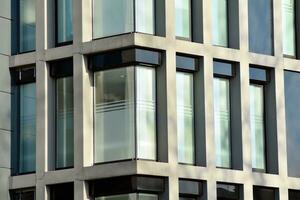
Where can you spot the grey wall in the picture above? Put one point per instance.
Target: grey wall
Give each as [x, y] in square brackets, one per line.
[5, 127]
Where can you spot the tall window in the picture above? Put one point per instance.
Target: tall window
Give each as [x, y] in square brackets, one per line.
[24, 142]
[220, 22]
[289, 25]
[26, 25]
[62, 72]
[64, 20]
[260, 26]
[183, 18]
[222, 75]
[114, 17]
[185, 118]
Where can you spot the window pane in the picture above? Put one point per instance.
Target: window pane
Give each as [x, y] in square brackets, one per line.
[64, 20]
[27, 25]
[64, 123]
[185, 118]
[183, 18]
[27, 128]
[147, 197]
[257, 126]
[292, 113]
[132, 196]
[222, 122]
[114, 115]
[112, 17]
[262, 193]
[145, 16]
[288, 22]
[145, 111]
[220, 27]
[227, 192]
[294, 194]
[260, 26]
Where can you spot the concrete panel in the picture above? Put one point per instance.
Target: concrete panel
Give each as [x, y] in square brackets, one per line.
[4, 182]
[4, 75]
[5, 114]
[5, 8]
[5, 36]
[5, 149]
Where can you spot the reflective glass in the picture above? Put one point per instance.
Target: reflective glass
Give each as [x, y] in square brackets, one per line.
[144, 17]
[288, 23]
[132, 196]
[185, 117]
[257, 126]
[222, 122]
[219, 19]
[292, 113]
[125, 106]
[27, 128]
[182, 19]
[64, 123]
[260, 26]
[64, 21]
[27, 25]
[227, 192]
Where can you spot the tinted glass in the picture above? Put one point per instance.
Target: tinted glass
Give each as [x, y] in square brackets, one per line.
[222, 122]
[182, 19]
[227, 192]
[220, 26]
[292, 113]
[64, 20]
[257, 126]
[288, 23]
[185, 117]
[294, 194]
[132, 196]
[260, 193]
[63, 191]
[260, 26]
[64, 122]
[27, 128]
[27, 25]
[144, 17]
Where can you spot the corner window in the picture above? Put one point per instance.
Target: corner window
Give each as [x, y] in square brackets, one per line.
[23, 194]
[183, 18]
[125, 112]
[24, 112]
[220, 22]
[26, 25]
[64, 22]
[114, 17]
[260, 26]
[62, 72]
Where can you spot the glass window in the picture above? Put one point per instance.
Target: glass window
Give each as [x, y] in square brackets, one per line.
[288, 22]
[260, 26]
[292, 113]
[26, 194]
[222, 122]
[132, 196]
[27, 25]
[227, 192]
[257, 126]
[27, 134]
[114, 17]
[219, 19]
[64, 191]
[183, 18]
[64, 123]
[263, 193]
[125, 105]
[294, 194]
[185, 118]
[64, 19]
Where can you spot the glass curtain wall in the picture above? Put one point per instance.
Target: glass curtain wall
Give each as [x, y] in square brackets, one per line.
[64, 123]
[220, 22]
[114, 17]
[27, 152]
[185, 118]
[64, 19]
[26, 25]
[132, 196]
[125, 113]
[183, 19]
[289, 25]
[257, 126]
[260, 26]
[222, 122]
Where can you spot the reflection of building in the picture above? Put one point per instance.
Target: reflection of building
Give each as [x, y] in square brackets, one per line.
[149, 100]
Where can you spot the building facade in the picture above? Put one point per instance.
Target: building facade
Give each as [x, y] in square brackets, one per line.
[149, 99]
